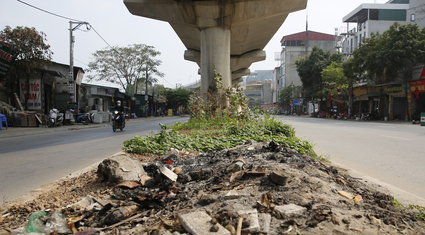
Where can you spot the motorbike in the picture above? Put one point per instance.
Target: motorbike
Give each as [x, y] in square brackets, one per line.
[85, 118]
[342, 116]
[116, 121]
[416, 119]
[365, 117]
[55, 118]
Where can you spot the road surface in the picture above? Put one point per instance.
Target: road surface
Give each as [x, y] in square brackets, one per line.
[391, 152]
[28, 162]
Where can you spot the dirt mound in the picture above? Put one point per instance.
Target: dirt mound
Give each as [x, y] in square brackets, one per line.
[259, 179]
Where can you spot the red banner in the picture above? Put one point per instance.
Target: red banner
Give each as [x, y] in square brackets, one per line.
[417, 86]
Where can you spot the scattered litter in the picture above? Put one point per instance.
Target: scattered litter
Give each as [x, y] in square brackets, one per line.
[272, 190]
[167, 172]
[345, 194]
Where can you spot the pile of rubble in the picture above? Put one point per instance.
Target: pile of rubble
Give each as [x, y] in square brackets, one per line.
[256, 188]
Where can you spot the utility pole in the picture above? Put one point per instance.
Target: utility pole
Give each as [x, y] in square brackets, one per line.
[306, 35]
[71, 86]
[146, 94]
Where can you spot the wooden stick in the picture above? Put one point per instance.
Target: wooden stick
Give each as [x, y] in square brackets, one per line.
[239, 229]
[122, 222]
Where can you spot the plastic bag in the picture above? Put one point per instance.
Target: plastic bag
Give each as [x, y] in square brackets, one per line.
[47, 222]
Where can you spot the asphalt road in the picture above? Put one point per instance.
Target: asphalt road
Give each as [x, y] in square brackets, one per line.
[28, 162]
[391, 152]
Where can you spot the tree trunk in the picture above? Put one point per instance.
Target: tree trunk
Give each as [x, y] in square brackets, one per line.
[28, 91]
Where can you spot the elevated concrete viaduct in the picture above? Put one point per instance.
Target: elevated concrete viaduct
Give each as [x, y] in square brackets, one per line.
[225, 35]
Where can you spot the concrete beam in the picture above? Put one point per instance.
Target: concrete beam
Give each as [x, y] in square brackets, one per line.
[240, 29]
[245, 60]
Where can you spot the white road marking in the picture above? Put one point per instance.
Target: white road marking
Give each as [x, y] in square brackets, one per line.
[396, 137]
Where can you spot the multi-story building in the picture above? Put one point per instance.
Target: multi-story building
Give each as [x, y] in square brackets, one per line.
[258, 86]
[388, 98]
[295, 47]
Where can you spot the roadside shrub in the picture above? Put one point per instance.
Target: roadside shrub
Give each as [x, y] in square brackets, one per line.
[214, 127]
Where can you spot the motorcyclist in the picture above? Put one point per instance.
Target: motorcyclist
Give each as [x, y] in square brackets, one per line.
[120, 109]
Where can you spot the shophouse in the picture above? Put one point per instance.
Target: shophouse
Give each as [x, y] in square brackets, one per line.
[389, 96]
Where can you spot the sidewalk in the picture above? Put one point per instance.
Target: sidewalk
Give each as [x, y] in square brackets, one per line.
[396, 122]
[24, 131]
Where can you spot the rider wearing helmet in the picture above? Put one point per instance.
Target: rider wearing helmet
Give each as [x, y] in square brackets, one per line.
[120, 109]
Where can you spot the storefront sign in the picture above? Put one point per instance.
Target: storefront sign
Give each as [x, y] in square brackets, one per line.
[362, 98]
[33, 90]
[394, 89]
[6, 58]
[416, 87]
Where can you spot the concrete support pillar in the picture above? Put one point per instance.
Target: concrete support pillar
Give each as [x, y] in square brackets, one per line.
[215, 54]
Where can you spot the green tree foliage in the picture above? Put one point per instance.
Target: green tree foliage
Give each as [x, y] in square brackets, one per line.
[285, 95]
[176, 96]
[393, 54]
[310, 68]
[32, 53]
[133, 65]
[335, 81]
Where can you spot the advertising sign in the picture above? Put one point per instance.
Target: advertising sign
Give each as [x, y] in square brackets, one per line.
[6, 59]
[33, 90]
[417, 86]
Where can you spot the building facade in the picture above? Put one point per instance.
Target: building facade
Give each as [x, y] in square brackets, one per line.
[258, 87]
[295, 47]
[393, 99]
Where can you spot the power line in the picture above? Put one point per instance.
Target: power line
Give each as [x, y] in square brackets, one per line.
[101, 37]
[47, 11]
[65, 18]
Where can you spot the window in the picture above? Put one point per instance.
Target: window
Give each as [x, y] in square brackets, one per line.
[412, 17]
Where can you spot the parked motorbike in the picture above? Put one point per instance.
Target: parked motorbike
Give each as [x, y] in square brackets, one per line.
[116, 119]
[365, 117]
[342, 116]
[55, 118]
[84, 118]
[416, 119]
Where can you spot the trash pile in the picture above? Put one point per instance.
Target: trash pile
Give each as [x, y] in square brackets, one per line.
[255, 188]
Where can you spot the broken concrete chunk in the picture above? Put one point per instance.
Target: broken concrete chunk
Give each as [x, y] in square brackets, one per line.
[254, 225]
[232, 194]
[264, 220]
[199, 223]
[111, 169]
[288, 211]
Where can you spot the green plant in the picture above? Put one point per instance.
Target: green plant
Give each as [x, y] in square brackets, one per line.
[418, 210]
[213, 126]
